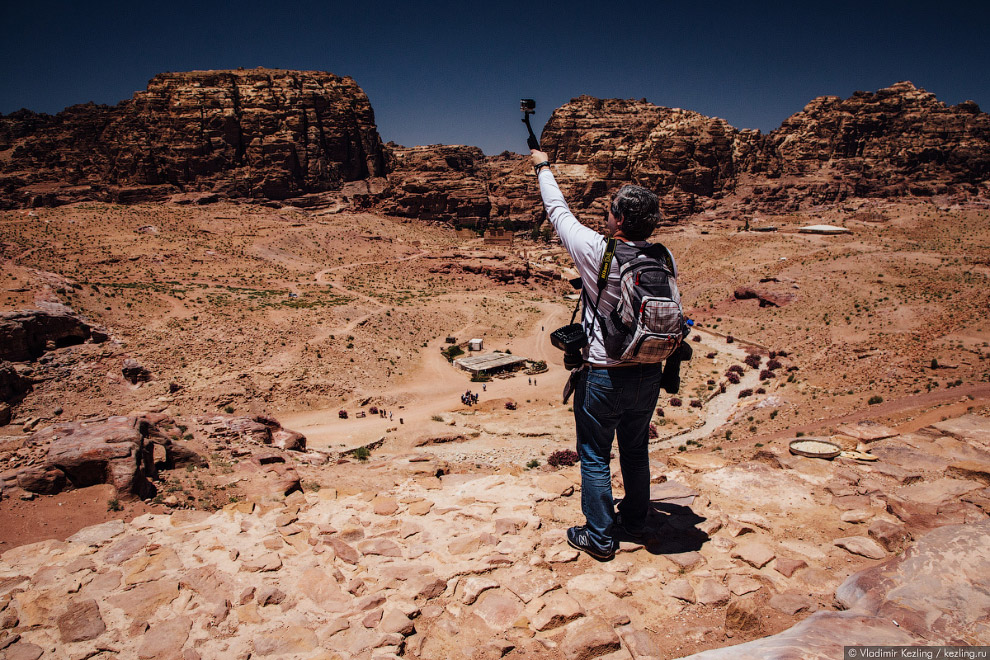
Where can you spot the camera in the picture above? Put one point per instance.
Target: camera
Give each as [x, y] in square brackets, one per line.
[528, 107]
[570, 339]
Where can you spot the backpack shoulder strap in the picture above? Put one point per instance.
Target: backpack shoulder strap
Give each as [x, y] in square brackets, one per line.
[661, 253]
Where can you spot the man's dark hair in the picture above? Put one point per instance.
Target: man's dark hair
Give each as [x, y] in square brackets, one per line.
[639, 209]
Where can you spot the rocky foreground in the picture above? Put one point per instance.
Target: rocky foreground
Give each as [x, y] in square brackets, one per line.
[469, 565]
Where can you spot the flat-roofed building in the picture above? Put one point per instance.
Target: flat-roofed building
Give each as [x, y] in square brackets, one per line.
[490, 362]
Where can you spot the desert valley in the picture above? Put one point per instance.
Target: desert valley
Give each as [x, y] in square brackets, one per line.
[231, 413]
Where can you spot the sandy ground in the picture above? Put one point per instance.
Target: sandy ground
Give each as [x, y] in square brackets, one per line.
[298, 315]
[248, 310]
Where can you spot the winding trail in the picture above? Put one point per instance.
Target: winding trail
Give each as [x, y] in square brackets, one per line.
[720, 407]
[434, 386]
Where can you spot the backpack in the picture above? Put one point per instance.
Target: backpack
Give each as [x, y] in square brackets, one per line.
[647, 324]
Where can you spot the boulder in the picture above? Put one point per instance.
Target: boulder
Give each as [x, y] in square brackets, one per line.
[938, 589]
[25, 335]
[111, 451]
[134, 372]
[289, 440]
[45, 480]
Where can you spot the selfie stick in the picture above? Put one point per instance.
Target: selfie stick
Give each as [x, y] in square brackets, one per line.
[528, 107]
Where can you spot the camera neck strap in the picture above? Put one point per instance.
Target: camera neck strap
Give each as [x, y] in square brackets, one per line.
[603, 271]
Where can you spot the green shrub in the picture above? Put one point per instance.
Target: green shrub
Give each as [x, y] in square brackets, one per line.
[875, 399]
[362, 453]
[533, 464]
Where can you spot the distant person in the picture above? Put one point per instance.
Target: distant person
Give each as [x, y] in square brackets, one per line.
[610, 397]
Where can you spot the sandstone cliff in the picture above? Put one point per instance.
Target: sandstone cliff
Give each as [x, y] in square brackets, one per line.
[687, 158]
[899, 141]
[896, 142]
[285, 134]
[245, 133]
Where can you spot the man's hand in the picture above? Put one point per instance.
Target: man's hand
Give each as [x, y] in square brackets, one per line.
[538, 156]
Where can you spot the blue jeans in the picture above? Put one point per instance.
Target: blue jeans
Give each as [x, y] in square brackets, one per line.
[608, 403]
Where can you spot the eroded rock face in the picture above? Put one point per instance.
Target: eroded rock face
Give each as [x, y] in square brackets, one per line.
[937, 587]
[13, 387]
[113, 451]
[900, 140]
[24, 335]
[439, 182]
[685, 157]
[277, 134]
[245, 133]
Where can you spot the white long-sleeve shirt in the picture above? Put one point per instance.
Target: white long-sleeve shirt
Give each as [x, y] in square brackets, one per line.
[586, 247]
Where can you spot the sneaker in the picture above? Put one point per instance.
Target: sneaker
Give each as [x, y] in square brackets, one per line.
[578, 538]
[637, 533]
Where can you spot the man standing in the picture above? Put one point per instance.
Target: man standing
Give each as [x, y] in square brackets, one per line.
[611, 398]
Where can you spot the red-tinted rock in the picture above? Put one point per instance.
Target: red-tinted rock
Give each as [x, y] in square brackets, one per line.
[245, 133]
[289, 440]
[135, 372]
[439, 182]
[113, 452]
[81, 621]
[45, 480]
[25, 334]
[743, 616]
[936, 589]
[891, 536]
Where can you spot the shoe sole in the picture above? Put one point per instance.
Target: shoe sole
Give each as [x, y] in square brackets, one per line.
[590, 553]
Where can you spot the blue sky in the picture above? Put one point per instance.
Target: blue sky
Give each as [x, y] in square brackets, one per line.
[453, 73]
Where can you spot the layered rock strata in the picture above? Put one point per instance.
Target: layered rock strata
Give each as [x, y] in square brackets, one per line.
[280, 135]
[25, 335]
[687, 158]
[244, 133]
[899, 141]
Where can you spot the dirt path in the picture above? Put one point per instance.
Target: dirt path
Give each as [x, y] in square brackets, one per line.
[434, 388]
[720, 407]
[957, 398]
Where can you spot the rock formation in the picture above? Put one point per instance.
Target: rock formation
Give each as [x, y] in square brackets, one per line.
[25, 335]
[687, 158]
[899, 141]
[438, 182]
[277, 135]
[245, 133]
